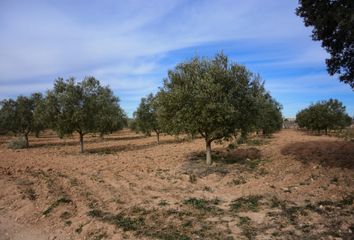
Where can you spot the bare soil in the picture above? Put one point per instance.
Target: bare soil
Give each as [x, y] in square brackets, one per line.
[125, 186]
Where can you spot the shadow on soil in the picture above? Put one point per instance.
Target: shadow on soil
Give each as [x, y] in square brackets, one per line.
[224, 162]
[75, 142]
[327, 153]
[129, 147]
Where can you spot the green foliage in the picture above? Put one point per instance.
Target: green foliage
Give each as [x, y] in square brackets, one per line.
[324, 115]
[210, 97]
[60, 200]
[249, 203]
[8, 116]
[163, 203]
[39, 113]
[132, 125]
[333, 24]
[121, 221]
[21, 116]
[195, 99]
[84, 107]
[269, 119]
[145, 117]
[202, 204]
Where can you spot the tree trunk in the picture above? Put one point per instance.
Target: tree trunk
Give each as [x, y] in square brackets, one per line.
[208, 152]
[26, 139]
[157, 137]
[243, 135]
[81, 142]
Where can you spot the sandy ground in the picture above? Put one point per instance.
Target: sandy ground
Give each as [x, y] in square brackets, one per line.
[125, 186]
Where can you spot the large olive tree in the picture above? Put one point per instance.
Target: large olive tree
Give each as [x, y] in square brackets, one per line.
[210, 97]
[84, 107]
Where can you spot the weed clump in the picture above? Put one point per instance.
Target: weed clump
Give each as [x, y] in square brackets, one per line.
[30, 194]
[121, 221]
[257, 142]
[202, 204]
[163, 203]
[250, 203]
[62, 199]
[238, 181]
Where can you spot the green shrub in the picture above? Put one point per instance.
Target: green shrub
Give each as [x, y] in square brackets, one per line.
[249, 203]
[232, 146]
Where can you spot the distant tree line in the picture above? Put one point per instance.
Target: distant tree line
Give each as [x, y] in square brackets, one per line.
[324, 116]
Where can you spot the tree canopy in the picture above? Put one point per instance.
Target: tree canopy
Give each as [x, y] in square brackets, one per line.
[324, 115]
[146, 116]
[333, 24]
[21, 116]
[269, 118]
[210, 97]
[84, 107]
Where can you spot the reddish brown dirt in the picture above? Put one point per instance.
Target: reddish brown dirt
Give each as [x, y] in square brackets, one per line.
[49, 191]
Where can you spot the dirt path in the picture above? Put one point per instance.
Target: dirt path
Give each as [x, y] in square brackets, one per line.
[52, 192]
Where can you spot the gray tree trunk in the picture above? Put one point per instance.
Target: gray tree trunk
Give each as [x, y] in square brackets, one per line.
[208, 152]
[26, 139]
[81, 143]
[157, 137]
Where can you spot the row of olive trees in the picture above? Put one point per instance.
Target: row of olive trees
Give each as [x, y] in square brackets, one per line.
[82, 107]
[324, 115]
[214, 98]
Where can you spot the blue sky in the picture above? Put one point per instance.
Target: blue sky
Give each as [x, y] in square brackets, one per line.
[130, 45]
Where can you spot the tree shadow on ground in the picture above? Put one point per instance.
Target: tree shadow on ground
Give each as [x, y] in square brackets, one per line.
[75, 142]
[129, 147]
[327, 153]
[238, 160]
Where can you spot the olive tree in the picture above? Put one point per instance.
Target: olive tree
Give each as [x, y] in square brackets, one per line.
[8, 115]
[132, 125]
[324, 115]
[146, 116]
[210, 97]
[271, 119]
[268, 117]
[39, 113]
[18, 116]
[83, 107]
